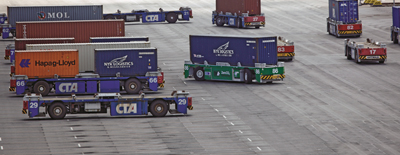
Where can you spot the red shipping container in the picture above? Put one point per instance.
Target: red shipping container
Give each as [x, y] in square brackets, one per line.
[45, 64]
[81, 30]
[253, 7]
[20, 44]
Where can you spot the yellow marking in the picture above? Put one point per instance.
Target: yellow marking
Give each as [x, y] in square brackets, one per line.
[286, 54]
[350, 32]
[270, 77]
[11, 89]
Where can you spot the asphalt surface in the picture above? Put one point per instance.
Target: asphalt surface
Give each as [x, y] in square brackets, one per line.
[326, 104]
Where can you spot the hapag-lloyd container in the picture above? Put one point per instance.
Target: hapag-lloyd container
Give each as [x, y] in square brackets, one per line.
[247, 50]
[86, 50]
[344, 10]
[127, 62]
[396, 16]
[21, 42]
[118, 39]
[252, 7]
[81, 30]
[46, 64]
[53, 13]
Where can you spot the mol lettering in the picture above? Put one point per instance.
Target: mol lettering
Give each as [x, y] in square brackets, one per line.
[151, 18]
[68, 87]
[126, 108]
[58, 15]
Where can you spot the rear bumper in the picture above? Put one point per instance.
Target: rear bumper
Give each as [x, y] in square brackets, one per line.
[11, 89]
[286, 56]
[267, 78]
[249, 24]
[350, 33]
[7, 57]
[372, 58]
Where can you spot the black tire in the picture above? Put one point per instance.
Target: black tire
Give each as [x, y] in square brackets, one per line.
[239, 23]
[41, 87]
[290, 59]
[133, 86]
[356, 57]
[220, 21]
[382, 61]
[57, 110]
[159, 108]
[248, 76]
[110, 17]
[348, 53]
[328, 28]
[395, 39]
[199, 74]
[172, 17]
[257, 27]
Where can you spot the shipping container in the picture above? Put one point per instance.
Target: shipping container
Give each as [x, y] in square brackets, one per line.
[396, 16]
[86, 50]
[20, 43]
[118, 39]
[47, 64]
[81, 30]
[53, 13]
[252, 7]
[345, 11]
[127, 62]
[233, 49]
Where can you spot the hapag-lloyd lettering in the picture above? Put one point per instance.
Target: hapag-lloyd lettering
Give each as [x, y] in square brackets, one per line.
[54, 63]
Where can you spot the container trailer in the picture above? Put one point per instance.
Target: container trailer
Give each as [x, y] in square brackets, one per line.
[369, 51]
[10, 48]
[395, 28]
[234, 58]
[118, 39]
[285, 49]
[238, 13]
[145, 16]
[57, 107]
[343, 20]
[47, 13]
[125, 69]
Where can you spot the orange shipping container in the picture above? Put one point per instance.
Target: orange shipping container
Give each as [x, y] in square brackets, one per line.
[46, 64]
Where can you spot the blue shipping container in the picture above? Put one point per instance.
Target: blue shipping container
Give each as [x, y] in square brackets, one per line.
[345, 11]
[396, 16]
[53, 13]
[127, 62]
[247, 50]
[118, 39]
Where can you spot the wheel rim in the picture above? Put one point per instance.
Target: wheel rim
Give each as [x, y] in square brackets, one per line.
[159, 108]
[245, 76]
[41, 88]
[199, 73]
[132, 86]
[57, 111]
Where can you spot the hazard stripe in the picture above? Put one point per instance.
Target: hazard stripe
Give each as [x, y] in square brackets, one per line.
[286, 54]
[11, 89]
[350, 32]
[6, 58]
[380, 57]
[270, 77]
[24, 111]
[249, 23]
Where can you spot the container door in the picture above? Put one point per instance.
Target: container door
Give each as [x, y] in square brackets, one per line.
[253, 6]
[344, 11]
[353, 11]
[267, 51]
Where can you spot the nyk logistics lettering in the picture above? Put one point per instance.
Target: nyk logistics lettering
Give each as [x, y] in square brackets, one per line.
[54, 63]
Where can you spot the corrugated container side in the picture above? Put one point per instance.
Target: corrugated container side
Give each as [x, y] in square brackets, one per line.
[126, 62]
[20, 43]
[118, 39]
[396, 16]
[45, 64]
[233, 49]
[53, 13]
[344, 10]
[86, 50]
[81, 30]
[253, 7]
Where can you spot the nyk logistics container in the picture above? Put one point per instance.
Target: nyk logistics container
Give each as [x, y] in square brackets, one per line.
[81, 30]
[47, 64]
[126, 62]
[118, 39]
[343, 18]
[50, 13]
[86, 50]
[395, 35]
[246, 50]
[251, 7]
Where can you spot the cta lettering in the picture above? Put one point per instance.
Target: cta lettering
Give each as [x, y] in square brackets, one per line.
[54, 63]
[68, 87]
[151, 18]
[126, 108]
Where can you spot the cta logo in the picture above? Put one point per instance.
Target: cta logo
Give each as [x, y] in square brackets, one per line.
[68, 87]
[24, 63]
[223, 52]
[151, 18]
[119, 63]
[52, 15]
[126, 108]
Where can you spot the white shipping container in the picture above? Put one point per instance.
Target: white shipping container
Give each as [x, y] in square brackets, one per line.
[86, 50]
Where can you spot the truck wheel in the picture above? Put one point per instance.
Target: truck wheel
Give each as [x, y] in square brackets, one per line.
[220, 21]
[132, 86]
[57, 110]
[199, 74]
[41, 87]
[328, 28]
[395, 39]
[257, 27]
[348, 53]
[382, 61]
[356, 57]
[248, 77]
[158, 108]
[172, 17]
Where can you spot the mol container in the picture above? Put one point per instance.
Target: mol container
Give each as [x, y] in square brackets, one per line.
[81, 30]
[47, 64]
[345, 11]
[86, 50]
[127, 62]
[118, 39]
[252, 7]
[233, 50]
[53, 13]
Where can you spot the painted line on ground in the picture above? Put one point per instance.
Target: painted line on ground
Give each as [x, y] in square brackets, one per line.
[79, 145]
[258, 148]
[249, 139]
[240, 131]
[72, 129]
